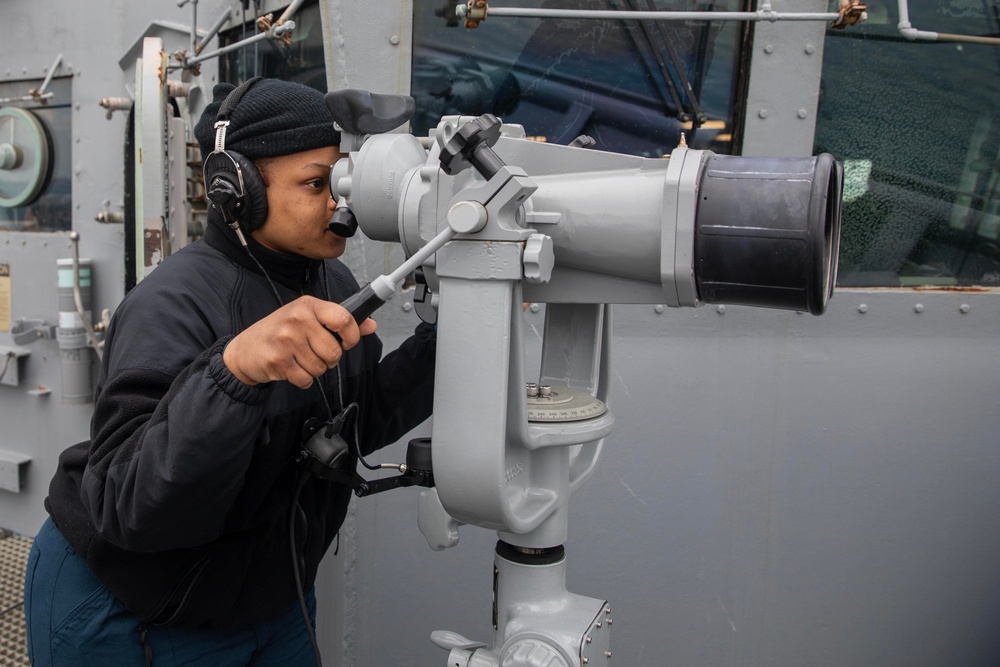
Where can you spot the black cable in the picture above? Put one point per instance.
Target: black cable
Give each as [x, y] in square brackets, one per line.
[303, 478]
[274, 290]
[357, 442]
[11, 608]
[260, 266]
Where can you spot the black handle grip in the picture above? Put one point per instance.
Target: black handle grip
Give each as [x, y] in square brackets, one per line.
[362, 304]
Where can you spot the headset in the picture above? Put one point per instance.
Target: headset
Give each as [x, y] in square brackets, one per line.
[234, 186]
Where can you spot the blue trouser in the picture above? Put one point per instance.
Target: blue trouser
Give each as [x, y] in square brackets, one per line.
[72, 619]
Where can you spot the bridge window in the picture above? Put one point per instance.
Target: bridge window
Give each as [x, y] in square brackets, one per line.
[302, 61]
[917, 125]
[632, 86]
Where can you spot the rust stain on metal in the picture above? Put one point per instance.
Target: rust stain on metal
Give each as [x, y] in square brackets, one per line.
[152, 247]
[964, 289]
[961, 289]
[161, 71]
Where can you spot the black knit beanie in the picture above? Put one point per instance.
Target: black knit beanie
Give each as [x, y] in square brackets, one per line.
[274, 118]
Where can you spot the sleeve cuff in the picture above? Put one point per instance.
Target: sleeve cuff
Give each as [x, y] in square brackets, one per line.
[229, 383]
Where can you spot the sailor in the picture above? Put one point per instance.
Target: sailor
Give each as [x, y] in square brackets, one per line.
[185, 530]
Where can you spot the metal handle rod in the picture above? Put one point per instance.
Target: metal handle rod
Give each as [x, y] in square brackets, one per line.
[385, 285]
[420, 256]
[607, 14]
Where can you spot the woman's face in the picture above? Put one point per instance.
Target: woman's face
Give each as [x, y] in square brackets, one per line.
[299, 205]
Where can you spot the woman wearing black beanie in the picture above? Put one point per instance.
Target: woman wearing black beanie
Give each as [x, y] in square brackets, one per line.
[185, 531]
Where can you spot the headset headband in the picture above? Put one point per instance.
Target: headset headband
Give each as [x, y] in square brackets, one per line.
[226, 110]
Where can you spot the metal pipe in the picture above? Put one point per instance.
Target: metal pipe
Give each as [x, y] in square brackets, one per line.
[280, 27]
[276, 31]
[213, 31]
[764, 14]
[48, 77]
[907, 30]
[27, 98]
[290, 11]
[194, 24]
[78, 298]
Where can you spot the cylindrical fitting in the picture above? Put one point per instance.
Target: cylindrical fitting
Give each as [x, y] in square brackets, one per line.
[76, 361]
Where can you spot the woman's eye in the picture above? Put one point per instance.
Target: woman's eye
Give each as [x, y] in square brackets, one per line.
[318, 183]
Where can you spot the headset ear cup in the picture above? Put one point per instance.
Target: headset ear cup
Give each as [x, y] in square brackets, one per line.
[232, 174]
[255, 193]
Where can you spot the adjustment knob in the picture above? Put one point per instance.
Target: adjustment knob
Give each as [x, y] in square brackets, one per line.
[539, 258]
[472, 144]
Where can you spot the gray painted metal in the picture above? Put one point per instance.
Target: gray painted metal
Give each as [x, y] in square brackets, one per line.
[785, 71]
[779, 489]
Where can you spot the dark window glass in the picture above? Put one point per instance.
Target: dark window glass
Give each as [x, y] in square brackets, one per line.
[302, 61]
[917, 125]
[632, 86]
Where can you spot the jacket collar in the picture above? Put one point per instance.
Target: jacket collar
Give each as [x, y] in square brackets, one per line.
[291, 271]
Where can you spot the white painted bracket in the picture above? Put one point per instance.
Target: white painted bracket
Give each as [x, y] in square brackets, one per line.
[12, 470]
[10, 364]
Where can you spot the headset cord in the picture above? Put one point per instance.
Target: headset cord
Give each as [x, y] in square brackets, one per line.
[303, 478]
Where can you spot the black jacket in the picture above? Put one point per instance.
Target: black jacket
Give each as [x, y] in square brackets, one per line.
[181, 501]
